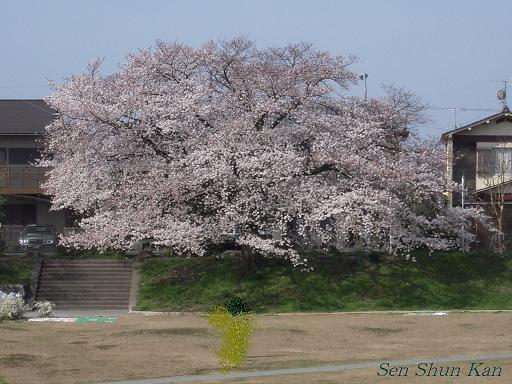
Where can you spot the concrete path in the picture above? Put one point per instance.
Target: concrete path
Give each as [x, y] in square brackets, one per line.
[319, 369]
[118, 313]
[84, 313]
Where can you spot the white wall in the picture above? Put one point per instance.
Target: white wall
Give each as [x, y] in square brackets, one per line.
[486, 182]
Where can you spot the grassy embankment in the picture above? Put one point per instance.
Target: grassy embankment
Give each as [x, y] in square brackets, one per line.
[443, 281]
[62, 253]
[15, 271]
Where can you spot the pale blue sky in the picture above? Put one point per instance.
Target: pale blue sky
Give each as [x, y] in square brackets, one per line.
[448, 52]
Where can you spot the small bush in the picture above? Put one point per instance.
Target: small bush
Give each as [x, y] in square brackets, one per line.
[3, 380]
[236, 305]
[12, 306]
[44, 308]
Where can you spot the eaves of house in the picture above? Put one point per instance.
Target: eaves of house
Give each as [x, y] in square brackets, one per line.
[504, 115]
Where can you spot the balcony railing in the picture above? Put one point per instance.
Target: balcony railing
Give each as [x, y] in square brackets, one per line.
[22, 179]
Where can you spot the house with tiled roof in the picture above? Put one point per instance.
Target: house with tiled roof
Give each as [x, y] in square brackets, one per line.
[479, 157]
[22, 126]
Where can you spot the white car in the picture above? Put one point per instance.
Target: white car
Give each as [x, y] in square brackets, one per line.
[36, 236]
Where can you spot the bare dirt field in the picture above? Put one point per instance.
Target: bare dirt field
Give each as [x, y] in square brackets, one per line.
[136, 347]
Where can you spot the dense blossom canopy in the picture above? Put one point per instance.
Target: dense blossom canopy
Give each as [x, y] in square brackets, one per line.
[193, 147]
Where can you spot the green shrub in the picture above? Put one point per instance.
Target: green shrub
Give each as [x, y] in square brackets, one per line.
[236, 305]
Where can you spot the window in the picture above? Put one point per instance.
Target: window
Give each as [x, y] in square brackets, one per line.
[3, 156]
[19, 214]
[23, 155]
[502, 161]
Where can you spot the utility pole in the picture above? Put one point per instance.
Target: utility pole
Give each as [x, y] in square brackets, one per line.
[463, 197]
[463, 191]
[390, 249]
[364, 76]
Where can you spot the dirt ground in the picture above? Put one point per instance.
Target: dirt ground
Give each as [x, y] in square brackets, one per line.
[369, 376]
[137, 346]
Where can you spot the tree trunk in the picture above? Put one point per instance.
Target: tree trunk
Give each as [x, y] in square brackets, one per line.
[501, 243]
[250, 261]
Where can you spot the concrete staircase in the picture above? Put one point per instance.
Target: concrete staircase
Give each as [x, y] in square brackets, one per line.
[85, 284]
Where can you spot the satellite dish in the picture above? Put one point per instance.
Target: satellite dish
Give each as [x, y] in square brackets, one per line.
[501, 95]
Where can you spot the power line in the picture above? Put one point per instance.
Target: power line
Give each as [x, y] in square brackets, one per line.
[462, 109]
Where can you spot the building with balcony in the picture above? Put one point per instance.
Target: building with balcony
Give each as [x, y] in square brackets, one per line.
[479, 157]
[22, 126]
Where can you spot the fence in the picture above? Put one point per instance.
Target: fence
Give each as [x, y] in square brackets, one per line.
[23, 179]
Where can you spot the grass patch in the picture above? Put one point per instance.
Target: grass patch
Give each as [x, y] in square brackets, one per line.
[5, 325]
[13, 271]
[379, 331]
[63, 253]
[202, 332]
[105, 347]
[17, 359]
[449, 280]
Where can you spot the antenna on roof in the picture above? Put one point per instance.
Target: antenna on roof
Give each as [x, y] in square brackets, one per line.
[454, 110]
[502, 94]
[459, 109]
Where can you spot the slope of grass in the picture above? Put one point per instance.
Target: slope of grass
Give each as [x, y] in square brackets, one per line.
[63, 253]
[337, 283]
[14, 271]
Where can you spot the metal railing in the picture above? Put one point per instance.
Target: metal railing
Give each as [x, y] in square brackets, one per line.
[22, 179]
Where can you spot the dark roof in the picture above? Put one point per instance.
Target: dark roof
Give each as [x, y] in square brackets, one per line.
[22, 117]
[504, 113]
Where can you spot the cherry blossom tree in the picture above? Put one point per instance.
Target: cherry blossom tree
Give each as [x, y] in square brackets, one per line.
[261, 148]
[495, 174]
